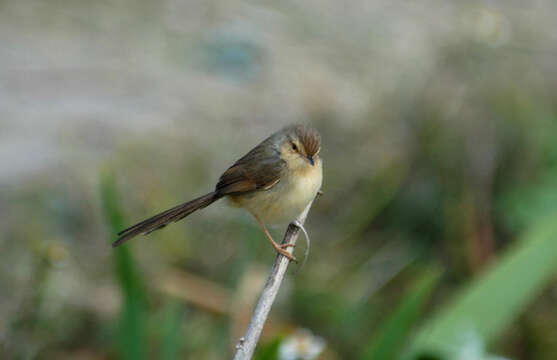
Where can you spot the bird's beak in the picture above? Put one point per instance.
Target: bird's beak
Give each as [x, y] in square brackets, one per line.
[310, 158]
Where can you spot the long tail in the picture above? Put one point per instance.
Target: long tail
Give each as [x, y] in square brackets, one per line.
[164, 218]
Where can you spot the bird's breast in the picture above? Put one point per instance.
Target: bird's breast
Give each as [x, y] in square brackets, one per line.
[287, 199]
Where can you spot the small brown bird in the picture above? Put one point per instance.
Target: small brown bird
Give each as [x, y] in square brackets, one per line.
[275, 181]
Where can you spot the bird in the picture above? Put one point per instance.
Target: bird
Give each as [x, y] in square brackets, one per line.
[274, 182]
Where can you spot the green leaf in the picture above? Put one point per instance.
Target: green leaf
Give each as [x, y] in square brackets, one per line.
[130, 338]
[394, 332]
[171, 332]
[491, 302]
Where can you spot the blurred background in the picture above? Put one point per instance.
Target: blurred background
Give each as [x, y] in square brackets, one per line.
[437, 234]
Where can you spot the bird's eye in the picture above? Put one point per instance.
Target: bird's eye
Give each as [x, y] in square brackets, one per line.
[294, 147]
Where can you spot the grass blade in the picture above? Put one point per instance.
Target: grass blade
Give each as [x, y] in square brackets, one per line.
[130, 337]
[171, 332]
[491, 302]
[394, 332]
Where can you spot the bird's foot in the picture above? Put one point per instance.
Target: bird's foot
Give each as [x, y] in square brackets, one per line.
[286, 246]
[286, 254]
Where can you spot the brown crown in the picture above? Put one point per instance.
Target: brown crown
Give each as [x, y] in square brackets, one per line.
[310, 139]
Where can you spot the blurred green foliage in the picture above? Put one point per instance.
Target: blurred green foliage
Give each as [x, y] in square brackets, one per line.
[494, 300]
[390, 339]
[171, 336]
[131, 334]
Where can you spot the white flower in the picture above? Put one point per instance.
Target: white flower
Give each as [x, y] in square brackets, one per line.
[302, 344]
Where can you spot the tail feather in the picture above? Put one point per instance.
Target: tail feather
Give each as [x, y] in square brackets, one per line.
[164, 218]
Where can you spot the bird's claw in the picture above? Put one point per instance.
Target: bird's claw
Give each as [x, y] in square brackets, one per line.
[287, 254]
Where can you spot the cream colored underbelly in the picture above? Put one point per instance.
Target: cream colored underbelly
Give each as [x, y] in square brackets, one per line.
[286, 200]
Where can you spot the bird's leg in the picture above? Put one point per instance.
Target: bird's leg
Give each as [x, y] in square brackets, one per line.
[306, 253]
[278, 248]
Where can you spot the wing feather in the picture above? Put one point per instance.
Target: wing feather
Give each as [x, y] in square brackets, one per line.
[261, 168]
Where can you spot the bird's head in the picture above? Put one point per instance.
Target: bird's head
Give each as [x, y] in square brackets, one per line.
[300, 146]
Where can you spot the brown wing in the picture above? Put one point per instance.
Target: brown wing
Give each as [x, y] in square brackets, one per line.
[261, 168]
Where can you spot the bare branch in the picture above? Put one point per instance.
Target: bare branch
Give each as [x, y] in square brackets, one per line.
[246, 346]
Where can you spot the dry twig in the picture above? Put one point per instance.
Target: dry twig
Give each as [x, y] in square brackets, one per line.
[246, 346]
